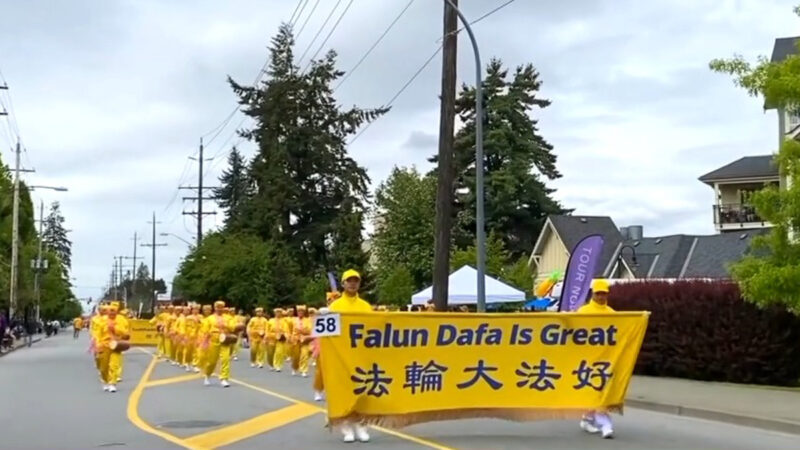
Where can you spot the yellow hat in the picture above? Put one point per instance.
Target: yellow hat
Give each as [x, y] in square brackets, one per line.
[219, 304]
[259, 310]
[303, 307]
[350, 274]
[600, 285]
[312, 310]
[113, 307]
[207, 307]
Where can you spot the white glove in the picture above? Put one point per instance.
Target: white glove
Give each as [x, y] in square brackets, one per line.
[323, 311]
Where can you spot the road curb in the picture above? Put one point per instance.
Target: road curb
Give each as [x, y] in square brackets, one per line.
[35, 340]
[718, 416]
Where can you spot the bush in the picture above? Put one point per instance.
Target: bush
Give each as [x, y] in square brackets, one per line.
[705, 331]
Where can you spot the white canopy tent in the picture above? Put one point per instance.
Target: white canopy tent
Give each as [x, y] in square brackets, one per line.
[463, 290]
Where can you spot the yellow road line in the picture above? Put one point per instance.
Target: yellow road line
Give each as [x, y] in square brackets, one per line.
[171, 380]
[408, 437]
[252, 427]
[133, 411]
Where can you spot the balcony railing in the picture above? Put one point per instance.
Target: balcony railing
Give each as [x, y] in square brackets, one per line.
[731, 214]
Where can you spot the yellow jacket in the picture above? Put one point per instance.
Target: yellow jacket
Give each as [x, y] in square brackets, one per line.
[180, 325]
[191, 325]
[593, 307]
[214, 325]
[95, 324]
[112, 329]
[257, 327]
[272, 329]
[283, 328]
[77, 323]
[348, 303]
[302, 329]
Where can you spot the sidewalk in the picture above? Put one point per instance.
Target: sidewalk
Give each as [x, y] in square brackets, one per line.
[767, 407]
[20, 343]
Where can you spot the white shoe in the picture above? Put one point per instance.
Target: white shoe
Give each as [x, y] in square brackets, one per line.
[362, 434]
[313, 364]
[294, 373]
[260, 366]
[206, 382]
[608, 433]
[348, 435]
[174, 363]
[224, 383]
[196, 370]
[188, 368]
[304, 375]
[318, 397]
[589, 427]
[112, 388]
[105, 388]
[252, 364]
[235, 358]
[277, 370]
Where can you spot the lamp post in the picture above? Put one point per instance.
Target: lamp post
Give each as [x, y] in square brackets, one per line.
[480, 233]
[38, 266]
[177, 237]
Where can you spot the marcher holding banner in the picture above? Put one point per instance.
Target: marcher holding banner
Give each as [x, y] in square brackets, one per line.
[397, 369]
[350, 302]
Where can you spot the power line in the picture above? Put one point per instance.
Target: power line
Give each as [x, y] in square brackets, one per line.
[375, 44]
[291, 19]
[482, 17]
[424, 65]
[303, 27]
[335, 25]
[310, 44]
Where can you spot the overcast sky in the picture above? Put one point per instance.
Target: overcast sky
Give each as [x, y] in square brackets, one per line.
[111, 98]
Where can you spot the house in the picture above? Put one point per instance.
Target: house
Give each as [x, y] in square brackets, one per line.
[628, 255]
[788, 121]
[733, 185]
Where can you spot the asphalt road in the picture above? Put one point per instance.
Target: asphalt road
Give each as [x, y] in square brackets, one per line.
[50, 398]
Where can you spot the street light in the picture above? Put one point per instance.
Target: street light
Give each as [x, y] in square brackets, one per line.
[178, 237]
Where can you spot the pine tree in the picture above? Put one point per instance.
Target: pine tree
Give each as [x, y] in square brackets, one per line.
[234, 191]
[305, 183]
[55, 237]
[516, 158]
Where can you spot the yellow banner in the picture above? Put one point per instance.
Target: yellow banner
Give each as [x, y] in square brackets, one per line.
[143, 332]
[396, 369]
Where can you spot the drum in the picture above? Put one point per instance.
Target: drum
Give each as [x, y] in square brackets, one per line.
[119, 346]
[238, 328]
[227, 339]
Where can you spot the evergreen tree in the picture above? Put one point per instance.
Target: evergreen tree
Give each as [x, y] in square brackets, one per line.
[55, 236]
[516, 158]
[305, 183]
[234, 191]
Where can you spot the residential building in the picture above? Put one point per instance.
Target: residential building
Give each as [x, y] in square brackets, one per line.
[733, 186]
[628, 255]
[788, 121]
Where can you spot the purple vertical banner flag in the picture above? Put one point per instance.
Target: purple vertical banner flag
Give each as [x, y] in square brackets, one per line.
[332, 281]
[580, 271]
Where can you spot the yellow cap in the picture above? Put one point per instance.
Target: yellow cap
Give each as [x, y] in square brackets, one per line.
[350, 274]
[259, 310]
[303, 307]
[219, 304]
[600, 285]
[207, 307]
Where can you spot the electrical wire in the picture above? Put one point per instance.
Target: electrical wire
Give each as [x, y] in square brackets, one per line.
[303, 27]
[294, 13]
[310, 44]
[325, 41]
[375, 44]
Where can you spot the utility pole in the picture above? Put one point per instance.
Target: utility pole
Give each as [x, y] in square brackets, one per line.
[199, 213]
[153, 246]
[38, 264]
[133, 258]
[444, 186]
[15, 234]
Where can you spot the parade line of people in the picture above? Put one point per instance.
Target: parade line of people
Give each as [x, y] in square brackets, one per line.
[204, 339]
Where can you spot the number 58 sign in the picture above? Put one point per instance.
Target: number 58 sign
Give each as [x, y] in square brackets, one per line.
[327, 325]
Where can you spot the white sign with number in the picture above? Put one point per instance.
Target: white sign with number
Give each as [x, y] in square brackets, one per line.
[327, 325]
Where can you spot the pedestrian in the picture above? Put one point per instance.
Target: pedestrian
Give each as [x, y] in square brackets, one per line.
[351, 302]
[598, 421]
[113, 329]
[217, 326]
[280, 332]
[302, 337]
[256, 332]
[77, 324]
[190, 337]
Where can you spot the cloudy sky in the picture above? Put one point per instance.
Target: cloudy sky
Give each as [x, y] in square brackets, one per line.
[111, 98]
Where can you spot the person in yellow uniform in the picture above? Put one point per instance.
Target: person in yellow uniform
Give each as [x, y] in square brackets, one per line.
[350, 302]
[312, 312]
[113, 328]
[122, 316]
[157, 320]
[169, 320]
[302, 333]
[282, 335]
[240, 320]
[319, 386]
[77, 324]
[257, 332]
[96, 323]
[180, 335]
[190, 336]
[202, 343]
[598, 421]
[213, 326]
[271, 339]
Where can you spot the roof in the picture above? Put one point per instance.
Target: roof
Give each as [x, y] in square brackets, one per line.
[784, 47]
[571, 229]
[662, 257]
[762, 166]
[462, 289]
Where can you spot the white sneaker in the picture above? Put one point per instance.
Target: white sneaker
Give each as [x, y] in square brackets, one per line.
[188, 368]
[608, 433]
[278, 370]
[362, 434]
[105, 388]
[224, 383]
[294, 373]
[589, 427]
[235, 358]
[253, 365]
[206, 382]
[318, 397]
[196, 370]
[260, 366]
[348, 435]
[174, 363]
[112, 388]
[304, 375]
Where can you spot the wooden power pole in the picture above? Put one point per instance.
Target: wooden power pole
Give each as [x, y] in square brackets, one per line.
[444, 187]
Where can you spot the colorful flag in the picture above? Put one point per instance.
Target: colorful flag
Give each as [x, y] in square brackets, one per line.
[580, 271]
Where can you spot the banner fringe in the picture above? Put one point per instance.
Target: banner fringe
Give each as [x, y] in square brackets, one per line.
[513, 414]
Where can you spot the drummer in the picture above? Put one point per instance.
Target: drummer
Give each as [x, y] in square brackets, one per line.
[215, 326]
[256, 332]
[123, 316]
[114, 329]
